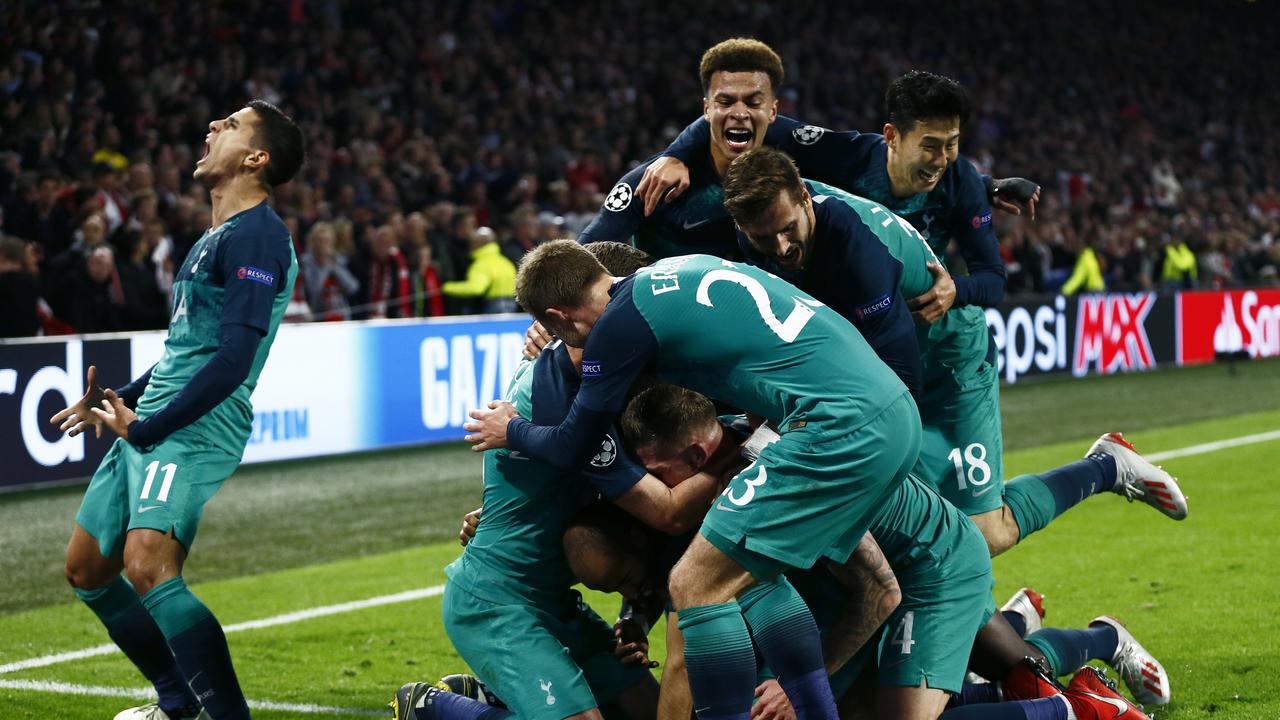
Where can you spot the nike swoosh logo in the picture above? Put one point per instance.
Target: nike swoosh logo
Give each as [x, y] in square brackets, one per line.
[983, 491]
[689, 226]
[149, 507]
[1120, 706]
[722, 506]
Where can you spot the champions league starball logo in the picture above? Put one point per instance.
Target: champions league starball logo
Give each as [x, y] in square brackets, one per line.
[619, 198]
[608, 451]
[808, 135]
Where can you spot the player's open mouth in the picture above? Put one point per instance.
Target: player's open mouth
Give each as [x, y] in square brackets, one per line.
[929, 177]
[205, 153]
[738, 139]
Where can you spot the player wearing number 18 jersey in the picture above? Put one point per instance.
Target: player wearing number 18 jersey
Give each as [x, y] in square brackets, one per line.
[849, 437]
[193, 419]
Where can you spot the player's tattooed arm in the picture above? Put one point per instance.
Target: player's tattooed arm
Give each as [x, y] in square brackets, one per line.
[873, 596]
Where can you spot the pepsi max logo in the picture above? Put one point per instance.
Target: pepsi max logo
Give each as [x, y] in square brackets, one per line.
[248, 272]
[981, 220]
[591, 368]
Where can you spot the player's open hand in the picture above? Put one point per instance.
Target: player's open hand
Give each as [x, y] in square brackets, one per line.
[772, 704]
[488, 427]
[1012, 194]
[663, 181]
[932, 305]
[536, 338]
[78, 417]
[470, 522]
[113, 413]
[632, 646]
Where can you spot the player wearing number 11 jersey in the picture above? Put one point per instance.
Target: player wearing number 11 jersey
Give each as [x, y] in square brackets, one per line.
[192, 421]
[850, 433]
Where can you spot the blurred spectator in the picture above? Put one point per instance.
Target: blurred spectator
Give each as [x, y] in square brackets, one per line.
[1179, 271]
[97, 296]
[491, 278]
[19, 290]
[144, 303]
[544, 105]
[1087, 274]
[386, 286]
[427, 293]
[524, 235]
[327, 281]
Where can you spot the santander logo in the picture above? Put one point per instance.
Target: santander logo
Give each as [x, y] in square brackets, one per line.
[1261, 324]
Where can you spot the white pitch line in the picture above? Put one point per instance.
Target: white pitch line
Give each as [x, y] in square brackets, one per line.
[284, 619]
[1214, 446]
[150, 694]
[438, 589]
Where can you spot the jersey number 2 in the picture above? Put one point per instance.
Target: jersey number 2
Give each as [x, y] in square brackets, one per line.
[787, 329]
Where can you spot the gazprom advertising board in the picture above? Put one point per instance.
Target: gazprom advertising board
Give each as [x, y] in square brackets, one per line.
[327, 388]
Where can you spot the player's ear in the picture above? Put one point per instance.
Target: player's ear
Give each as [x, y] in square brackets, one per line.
[696, 456]
[706, 108]
[257, 159]
[890, 134]
[773, 110]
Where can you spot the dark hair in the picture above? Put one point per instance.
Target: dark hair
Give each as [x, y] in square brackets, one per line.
[741, 55]
[282, 140]
[12, 249]
[755, 179]
[620, 259]
[665, 415]
[920, 95]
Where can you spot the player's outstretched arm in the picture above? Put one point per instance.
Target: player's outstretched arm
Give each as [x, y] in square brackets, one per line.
[873, 595]
[969, 223]
[79, 417]
[207, 388]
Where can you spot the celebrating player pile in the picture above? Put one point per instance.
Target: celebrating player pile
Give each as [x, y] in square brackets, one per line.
[823, 310]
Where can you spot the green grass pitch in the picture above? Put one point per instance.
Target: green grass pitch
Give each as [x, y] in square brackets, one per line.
[335, 533]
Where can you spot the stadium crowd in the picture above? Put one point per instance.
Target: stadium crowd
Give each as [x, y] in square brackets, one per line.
[445, 137]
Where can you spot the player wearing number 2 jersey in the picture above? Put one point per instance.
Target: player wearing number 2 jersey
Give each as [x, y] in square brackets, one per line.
[193, 418]
[850, 435]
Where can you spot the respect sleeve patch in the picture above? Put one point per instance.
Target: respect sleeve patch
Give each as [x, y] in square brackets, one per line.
[258, 275]
[875, 307]
[591, 368]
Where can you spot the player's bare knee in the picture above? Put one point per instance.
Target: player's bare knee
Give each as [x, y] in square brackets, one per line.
[145, 574]
[86, 569]
[999, 529]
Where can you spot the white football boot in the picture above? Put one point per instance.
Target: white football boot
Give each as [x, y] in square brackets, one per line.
[1030, 605]
[152, 711]
[1138, 479]
[1142, 673]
